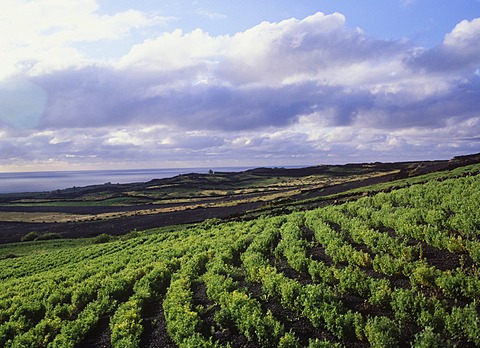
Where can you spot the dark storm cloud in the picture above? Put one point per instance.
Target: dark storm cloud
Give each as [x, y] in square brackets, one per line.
[104, 98]
[445, 59]
[99, 97]
[460, 102]
[267, 76]
[294, 89]
[459, 51]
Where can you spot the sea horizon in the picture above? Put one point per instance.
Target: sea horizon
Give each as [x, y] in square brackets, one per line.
[46, 181]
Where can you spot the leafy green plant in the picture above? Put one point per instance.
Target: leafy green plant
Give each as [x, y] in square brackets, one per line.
[336, 268]
[382, 332]
[49, 236]
[427, 338]
[30, 236]
[102, 238]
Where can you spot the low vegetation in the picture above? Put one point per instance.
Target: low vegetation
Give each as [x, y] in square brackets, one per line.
[386, 269]
[34, 236]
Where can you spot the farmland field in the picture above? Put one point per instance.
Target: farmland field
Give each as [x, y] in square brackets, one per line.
[390, 269]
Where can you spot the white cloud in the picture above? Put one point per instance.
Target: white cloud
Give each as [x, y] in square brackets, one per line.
[123, 137]
[173, 51]
[40, 36]
[465, 35]
[297, 90]
[458, 52]
[317, 48]
[270, 75]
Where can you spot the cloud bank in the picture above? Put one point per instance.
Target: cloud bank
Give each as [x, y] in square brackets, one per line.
[300, 91]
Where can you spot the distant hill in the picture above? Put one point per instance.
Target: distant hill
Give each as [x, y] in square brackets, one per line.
[190, 198]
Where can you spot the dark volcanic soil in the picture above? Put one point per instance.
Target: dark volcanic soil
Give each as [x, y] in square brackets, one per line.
[13, 231]
[155, 333]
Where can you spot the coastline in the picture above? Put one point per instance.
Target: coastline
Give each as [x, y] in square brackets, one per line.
[24, 182]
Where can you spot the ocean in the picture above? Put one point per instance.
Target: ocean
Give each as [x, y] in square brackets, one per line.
[55, 180]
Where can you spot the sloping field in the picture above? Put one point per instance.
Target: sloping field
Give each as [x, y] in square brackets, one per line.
[393, 269]
[120, 208]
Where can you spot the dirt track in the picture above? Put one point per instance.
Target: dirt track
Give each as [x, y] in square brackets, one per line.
[13, 231]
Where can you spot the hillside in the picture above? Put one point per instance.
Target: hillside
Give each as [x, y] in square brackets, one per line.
[120, 208]
[390, 265]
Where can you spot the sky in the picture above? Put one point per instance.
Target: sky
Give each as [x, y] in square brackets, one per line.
[101, 84]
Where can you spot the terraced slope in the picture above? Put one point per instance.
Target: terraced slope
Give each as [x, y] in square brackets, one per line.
[118, 209]
[394, 269]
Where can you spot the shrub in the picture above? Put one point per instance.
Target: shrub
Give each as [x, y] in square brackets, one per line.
[49, 236]
[126, 325]
[405, 305]
[428, 339]
[465, 322]
[102, 238]
[30, 236]
[423, 276]
[132, 234]
[288, 341]
[382, 332]
[322, 344]
[380, 292]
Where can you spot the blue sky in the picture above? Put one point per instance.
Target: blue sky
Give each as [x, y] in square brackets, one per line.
[90, 84]
[423, 21]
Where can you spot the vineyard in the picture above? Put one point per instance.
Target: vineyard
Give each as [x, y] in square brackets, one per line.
[394, 269]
